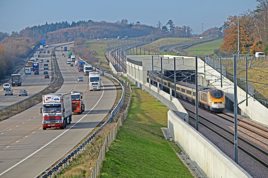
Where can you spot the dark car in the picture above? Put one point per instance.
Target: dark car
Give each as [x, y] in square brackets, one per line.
[45, 72]
[71, 64]
[46, 76]
[23, 92]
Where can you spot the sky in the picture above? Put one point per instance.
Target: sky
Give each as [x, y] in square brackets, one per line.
[16, 15]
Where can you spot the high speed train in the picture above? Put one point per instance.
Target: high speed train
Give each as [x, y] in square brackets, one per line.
[210, 98]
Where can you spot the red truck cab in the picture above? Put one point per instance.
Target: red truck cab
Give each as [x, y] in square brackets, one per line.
[78, 105]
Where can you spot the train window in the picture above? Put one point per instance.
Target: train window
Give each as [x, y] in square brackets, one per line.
[193, 93]
[178, 88]
[188, 92]
[216, 93]
[183, 90]
[204, 97]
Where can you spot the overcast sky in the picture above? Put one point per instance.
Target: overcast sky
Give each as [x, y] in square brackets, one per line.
[18, 14]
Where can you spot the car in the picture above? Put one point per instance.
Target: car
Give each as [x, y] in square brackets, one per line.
[45, 67]
[45, 72]
[46, 76]
[71, 64]
[23, 92]
[6, 86]
[80, 79]
[48, 60]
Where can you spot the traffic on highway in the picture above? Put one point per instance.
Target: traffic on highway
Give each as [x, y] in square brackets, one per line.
[41, 134]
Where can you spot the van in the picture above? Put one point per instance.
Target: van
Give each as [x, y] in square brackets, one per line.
[259, 55]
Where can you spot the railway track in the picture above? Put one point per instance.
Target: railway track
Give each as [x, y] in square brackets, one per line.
[256, 151]
[252, 130]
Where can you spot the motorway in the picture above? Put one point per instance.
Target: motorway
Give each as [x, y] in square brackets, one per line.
[31, 83]
[26, 150]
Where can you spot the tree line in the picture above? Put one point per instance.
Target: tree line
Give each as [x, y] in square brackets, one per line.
[251, 29]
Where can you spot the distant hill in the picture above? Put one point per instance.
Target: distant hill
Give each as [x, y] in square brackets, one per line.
[95, 30]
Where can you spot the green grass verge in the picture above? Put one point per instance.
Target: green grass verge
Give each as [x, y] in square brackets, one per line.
[156, 45]
[140, 149]
[204, 48]
[257, 73]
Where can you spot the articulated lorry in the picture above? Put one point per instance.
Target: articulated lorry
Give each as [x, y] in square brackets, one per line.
[56, 110]
[80, 65]
[87, 68]
[16, 80]
[94, 81]
[78, 105]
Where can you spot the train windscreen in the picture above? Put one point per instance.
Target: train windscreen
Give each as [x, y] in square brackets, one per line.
[217, 93]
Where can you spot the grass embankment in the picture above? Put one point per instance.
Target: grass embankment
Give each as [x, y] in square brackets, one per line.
[257, 73]
[140, 149]
[156, 45]
[99, 48]
[204, 49]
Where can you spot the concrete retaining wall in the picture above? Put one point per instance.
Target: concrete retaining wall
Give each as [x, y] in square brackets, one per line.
[209, 158]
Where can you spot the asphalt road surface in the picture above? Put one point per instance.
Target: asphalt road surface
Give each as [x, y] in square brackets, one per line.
[26, 150]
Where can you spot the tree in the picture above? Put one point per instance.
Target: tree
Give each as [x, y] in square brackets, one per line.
[171, 26]
[246, 38]
[164, 28]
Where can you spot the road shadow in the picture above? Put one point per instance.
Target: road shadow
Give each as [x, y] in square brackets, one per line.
[111, 89]
[104, 111]
[84, 125]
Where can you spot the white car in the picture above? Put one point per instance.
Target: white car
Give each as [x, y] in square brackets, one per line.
[6, 86]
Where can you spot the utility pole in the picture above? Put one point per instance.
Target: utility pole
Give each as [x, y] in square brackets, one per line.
[238, 39]
[235, 113]
[246, 80]
[196, 94]
[152, 63]
[161, 64]
[175, 75]
[221, 71]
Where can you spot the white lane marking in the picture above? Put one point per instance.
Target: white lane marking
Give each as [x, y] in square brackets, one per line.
[33, 132]
[7, 146]
[17, 141]
[2, 133]
[44, 146]
[17, 126]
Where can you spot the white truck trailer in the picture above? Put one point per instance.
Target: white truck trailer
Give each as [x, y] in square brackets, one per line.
[94, 81]
[87, 69]
[56, 110]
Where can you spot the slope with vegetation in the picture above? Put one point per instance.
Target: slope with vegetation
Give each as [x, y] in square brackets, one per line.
[140, 149]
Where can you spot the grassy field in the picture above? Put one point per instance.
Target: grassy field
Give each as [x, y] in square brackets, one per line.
[140, 149]
[156, 45]
[204, 48]
[257, 73]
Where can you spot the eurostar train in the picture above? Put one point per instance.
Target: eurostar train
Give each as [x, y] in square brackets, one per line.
[210, 98]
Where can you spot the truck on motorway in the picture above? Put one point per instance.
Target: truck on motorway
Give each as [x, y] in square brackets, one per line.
[69, 54]
[65, 48]
[78, 105]
[56, 110]
[36, 68]
[16, 80]
[27, 70]
[87, 68]
[80, 65]
[73, 58]
[94, 81]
